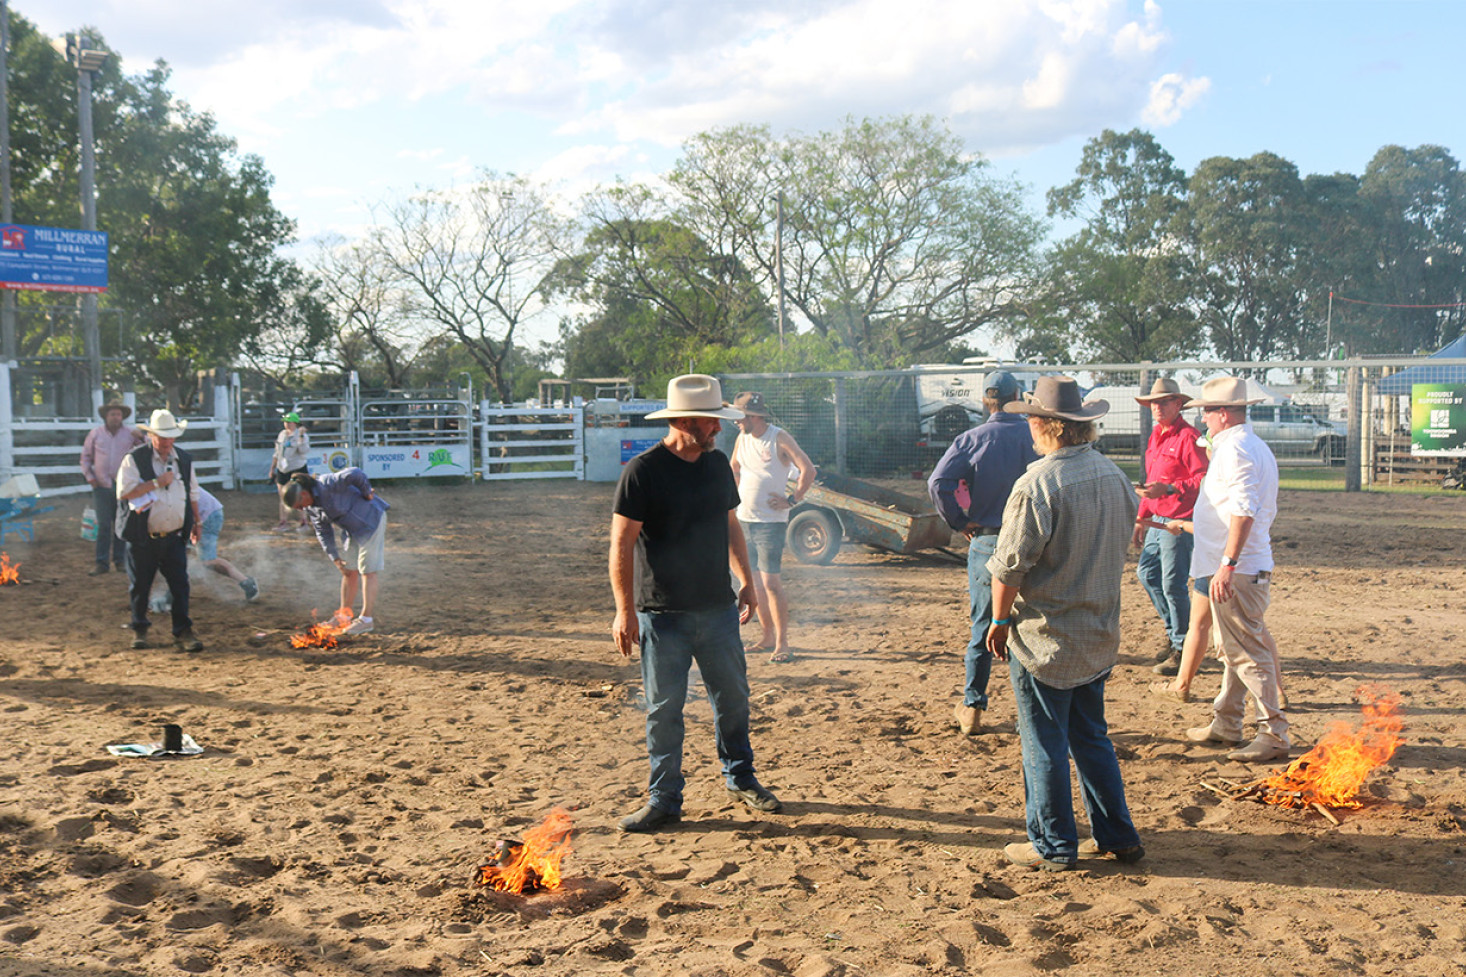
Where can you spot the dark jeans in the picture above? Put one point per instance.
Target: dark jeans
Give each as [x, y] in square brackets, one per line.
[168, 556]
[1054, 725]
[670, 643]
[104, 502]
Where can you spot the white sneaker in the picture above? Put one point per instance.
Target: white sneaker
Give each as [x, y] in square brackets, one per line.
[359, 626]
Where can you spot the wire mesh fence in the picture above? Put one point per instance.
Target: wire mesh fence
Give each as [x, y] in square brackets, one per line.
[1352, 417]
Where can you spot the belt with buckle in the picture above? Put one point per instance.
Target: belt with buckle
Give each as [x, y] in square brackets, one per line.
[171, 532]
[986, 531]
[1264, 575]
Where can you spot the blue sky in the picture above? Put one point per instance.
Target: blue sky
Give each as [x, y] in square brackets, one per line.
[351, 102]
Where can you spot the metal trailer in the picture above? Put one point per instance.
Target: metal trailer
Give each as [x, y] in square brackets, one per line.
[840, 508]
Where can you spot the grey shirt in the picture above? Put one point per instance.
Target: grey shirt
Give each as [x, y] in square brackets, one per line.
[1066, 528]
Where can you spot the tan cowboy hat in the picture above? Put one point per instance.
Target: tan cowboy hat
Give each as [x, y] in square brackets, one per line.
[696, 395]
[164, 425]
[1224, 392]
[114, 405]
[1161, 390]
[1058, 397]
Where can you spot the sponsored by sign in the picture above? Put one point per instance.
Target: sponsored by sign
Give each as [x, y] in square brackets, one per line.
[631, 447]
[52, 259]
[415, 460]
[1438, 419]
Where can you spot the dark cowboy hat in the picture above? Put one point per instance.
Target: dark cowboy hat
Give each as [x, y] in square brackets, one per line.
[1058, 397]
[114, 405]
[752, 402]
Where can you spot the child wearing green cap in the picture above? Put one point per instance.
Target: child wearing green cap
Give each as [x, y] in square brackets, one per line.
[292, 454]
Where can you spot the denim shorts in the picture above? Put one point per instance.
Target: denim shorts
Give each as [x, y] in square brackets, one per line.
[1202, 585]
[765, 544]
[209, 536]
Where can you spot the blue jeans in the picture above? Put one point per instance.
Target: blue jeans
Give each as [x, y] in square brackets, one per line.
[104, 503]
[980, 605]
[1054, 725]
[670, 642]
[1165, 563]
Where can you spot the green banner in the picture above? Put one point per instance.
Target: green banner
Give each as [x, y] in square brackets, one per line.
[1438, 419]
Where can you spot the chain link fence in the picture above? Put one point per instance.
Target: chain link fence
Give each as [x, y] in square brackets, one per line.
[1351, 417]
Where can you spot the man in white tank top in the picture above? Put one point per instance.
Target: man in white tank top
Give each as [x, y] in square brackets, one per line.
[764, 456]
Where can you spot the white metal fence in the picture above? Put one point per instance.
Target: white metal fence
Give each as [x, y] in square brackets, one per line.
[531, 442]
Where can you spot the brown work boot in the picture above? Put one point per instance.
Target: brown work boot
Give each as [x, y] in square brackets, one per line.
[1170, 666]
[187, 641]
[969, 719]
[1266, 748]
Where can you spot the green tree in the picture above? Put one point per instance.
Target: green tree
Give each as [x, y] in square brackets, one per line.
[1414, 203]
[658, 292]
[1113, 291]
[476, 263]
[896, 241]
[1243, 235]
[193, 231]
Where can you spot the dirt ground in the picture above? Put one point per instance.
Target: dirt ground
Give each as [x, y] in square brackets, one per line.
[345, 797]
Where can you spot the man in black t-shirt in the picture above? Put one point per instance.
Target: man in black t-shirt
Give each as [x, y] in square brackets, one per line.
[675, 532]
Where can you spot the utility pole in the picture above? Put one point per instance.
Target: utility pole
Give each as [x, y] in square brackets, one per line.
[88, 62]
[8, 347]
[779, 260]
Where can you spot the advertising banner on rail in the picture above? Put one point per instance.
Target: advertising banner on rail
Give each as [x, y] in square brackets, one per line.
[417, 461]
[52, 259]
[1438, 419]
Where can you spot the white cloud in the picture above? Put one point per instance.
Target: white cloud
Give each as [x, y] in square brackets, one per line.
[1170, 95]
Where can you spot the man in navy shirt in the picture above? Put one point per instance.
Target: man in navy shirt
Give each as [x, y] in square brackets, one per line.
[674, 535]
[988, 459]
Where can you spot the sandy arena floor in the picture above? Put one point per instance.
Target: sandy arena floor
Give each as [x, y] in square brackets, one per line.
[346, 796]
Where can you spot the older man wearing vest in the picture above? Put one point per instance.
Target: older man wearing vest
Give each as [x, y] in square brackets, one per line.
[158, 514]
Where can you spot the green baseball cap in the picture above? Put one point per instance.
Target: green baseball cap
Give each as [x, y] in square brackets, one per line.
[293, 417]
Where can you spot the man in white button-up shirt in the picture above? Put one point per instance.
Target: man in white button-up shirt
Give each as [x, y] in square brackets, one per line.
[1234, 555]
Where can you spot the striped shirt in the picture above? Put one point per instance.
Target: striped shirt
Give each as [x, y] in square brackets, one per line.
[1066, 528]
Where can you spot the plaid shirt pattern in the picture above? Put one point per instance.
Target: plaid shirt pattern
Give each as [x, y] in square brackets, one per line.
[1066, 528]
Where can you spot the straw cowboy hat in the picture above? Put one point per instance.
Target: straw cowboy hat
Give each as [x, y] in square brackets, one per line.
[1224, 392]
[1058, 397]
[752, 402]
[1161, 390]
[114, 405]
[164, 425]
[696, 395]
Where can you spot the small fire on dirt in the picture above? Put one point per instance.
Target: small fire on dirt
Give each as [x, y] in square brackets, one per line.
[1331, 774]
[323, 633]
[532, 864]
[9, 573]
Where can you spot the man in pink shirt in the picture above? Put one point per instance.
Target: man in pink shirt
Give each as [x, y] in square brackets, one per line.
[1174, 466]
[101, 455]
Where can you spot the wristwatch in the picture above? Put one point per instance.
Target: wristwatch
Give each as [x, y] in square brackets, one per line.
[1228, 561]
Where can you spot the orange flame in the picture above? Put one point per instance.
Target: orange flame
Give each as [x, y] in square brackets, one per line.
[8, 573]
[323, 634]
[1333, 771]
[534, 863]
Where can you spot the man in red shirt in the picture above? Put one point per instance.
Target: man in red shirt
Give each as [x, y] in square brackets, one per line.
[1174, 467]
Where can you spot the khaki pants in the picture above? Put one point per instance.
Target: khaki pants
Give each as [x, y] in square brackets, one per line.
[1251, 659]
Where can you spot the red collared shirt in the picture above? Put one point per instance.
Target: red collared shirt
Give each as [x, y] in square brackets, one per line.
[1173, 457]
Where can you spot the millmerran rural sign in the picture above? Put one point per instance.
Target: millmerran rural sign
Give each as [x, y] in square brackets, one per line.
[52, 259]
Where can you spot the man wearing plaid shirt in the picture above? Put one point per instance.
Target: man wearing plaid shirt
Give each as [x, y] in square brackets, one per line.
[1056, 607]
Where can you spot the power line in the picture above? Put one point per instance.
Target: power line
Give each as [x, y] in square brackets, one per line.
[1397, 305]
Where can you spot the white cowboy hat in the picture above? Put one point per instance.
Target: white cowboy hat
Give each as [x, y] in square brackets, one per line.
[164, 425]
[1058, 397]
[1224, 392]
[696, 395]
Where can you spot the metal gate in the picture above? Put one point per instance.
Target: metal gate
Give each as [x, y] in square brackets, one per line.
[416, 438]
[532, 442]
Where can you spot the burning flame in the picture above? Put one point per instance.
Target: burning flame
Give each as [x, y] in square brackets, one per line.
[533, 863]
[323, 634]
[8, 573]
[1333, 771]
